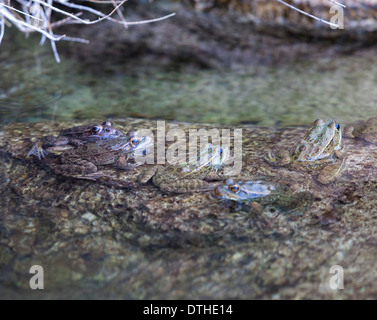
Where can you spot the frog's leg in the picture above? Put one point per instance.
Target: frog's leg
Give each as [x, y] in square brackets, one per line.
[79, 168]
[280, 158]
[38, 148]
[147, 174]
[331, 171]
[298, 203]
[124, 164]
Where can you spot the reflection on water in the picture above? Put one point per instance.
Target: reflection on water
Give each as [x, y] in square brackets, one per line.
[34, 87]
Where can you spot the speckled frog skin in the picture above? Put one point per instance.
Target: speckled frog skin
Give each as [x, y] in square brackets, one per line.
[75, 136]
[320, 149]
[82, 161]
[196, 176]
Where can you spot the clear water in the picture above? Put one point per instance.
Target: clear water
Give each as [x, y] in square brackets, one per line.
[34, 87]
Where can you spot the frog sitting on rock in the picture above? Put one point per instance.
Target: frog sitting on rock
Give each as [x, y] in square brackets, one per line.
[82, 161]
[320, 149]
[75, 136]
[198, 175]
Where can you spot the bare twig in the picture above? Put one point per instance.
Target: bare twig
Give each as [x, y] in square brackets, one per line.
[310, 15]
[37, 16]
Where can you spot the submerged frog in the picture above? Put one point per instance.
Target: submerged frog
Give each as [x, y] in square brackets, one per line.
[260, 193]
[366, 130]
[82, 161]
[199, 174]
[320, 149]
[75, 136]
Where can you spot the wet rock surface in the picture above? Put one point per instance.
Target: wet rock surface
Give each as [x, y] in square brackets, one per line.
[114, 238]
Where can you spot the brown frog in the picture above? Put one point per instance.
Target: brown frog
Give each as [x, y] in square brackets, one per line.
[320, 149]
[366, 130]
[196, 176]
[82, 161]
[75, 136]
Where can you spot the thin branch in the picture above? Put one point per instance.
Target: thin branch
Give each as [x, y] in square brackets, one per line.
[22, 12]
[337, 3]
[308, 14]
[20, 24]
[41, 20]
[151, 20]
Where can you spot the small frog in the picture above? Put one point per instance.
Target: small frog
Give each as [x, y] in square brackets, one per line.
[75, 136]
[82, 161]
[320, 149]
[198, 175]
[260, 193]
[366, 130]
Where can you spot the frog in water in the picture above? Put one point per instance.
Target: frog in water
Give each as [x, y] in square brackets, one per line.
[320, 149]
[75, 136]
[82, 161]
[366, 130]
[260, 193]
[199, 174]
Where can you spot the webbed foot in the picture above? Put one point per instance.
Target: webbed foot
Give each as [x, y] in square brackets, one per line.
[37, 151]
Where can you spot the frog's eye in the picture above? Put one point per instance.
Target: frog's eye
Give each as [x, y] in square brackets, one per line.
[96, 129]
[234, 188]
[107, 123]
[135, 141]
[337, 126]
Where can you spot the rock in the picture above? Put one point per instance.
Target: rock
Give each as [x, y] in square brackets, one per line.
[135, 241]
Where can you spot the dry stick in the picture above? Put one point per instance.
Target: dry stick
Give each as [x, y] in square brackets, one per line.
[102, 15]
[337, 3]
[23, 26]
[121, 16]
[77, 6]
[307, 14]
[18, 11]
[65, 21]
[46, 8]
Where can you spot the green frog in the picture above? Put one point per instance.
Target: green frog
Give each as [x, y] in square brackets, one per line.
[82, 161]
[74, 136]
[260, 193]
[366, 130]
[199, 174]
[320, 149]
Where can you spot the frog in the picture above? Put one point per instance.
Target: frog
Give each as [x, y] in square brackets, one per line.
[365, 130]
[321, 150]
[73, 137]
[263, 193]
[200, 174]
[81, 161]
